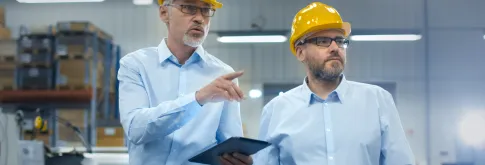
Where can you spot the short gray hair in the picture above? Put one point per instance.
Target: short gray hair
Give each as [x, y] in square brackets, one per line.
[167, 2]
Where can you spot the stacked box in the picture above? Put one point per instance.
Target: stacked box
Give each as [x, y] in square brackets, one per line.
[35, 61]
[2, 16]
[79, 46]
[110, 137]
[80, 51]
[8, 49]
[35, 78]
[5, 33]
[75, 74]
[7, 76]
[82, 27]
[36, 49]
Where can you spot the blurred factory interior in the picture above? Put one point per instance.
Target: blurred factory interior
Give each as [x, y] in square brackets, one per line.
[430, 55]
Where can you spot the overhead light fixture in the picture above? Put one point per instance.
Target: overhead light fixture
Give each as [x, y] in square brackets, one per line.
[484, 37]
[57, 1]
[142, 2]
[470, 128]
[386, 37]
[252, 39]
[252, 36]
[255, 93]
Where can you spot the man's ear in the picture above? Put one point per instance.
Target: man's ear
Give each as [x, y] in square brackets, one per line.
[164, 13]
[299, 53]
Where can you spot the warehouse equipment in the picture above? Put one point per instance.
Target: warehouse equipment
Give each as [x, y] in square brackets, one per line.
[82, 59]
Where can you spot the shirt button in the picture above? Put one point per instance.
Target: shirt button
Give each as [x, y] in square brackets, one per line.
[330, 157]
[328, 130]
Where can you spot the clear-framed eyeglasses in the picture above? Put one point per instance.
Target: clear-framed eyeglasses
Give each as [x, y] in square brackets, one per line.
[192, 10]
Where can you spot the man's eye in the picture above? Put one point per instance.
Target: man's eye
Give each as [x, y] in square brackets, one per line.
[324, 41]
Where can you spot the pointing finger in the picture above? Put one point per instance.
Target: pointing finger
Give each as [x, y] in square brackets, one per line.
[233, 75]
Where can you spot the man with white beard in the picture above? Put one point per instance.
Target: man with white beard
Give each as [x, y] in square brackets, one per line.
[177, 99]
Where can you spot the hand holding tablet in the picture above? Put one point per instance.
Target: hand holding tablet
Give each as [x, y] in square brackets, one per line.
[237, 150]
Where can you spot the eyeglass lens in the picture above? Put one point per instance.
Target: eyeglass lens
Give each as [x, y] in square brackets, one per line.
[327, 41]
[190, 9]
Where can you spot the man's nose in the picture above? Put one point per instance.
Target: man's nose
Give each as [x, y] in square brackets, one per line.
[198, 18]
[333, 46]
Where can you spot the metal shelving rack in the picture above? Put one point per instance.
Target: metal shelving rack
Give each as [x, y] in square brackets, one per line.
[117, 67]
[53, 100]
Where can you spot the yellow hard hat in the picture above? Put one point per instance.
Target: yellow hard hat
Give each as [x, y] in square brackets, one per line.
[315, 17]
[214, 3]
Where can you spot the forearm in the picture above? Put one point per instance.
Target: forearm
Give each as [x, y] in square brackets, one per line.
[146, 124]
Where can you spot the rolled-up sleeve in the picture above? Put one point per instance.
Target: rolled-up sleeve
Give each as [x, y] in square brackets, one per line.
[395, 146]
[141, 122]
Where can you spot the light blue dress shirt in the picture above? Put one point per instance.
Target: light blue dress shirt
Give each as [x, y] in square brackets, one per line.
[159, 113]
[358, 124]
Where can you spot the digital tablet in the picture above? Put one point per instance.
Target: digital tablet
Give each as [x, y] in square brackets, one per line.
[241, 145]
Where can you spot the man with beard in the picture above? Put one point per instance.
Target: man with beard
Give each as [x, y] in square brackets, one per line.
[176, 99]
[328, 119]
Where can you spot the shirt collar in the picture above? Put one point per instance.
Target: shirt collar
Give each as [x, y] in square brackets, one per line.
[338, 94]
[164, 53]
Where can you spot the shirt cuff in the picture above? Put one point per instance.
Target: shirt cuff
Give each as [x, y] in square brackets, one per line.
[189, 100]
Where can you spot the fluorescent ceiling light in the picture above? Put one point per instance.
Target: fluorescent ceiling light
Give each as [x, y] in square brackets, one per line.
[252, 39]
[397, 37]
[57, 1]
[142, 2]
[255, 93]
[484, 37]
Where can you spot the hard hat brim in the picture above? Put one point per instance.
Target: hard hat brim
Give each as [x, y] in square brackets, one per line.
[215, 4]
[345, 26]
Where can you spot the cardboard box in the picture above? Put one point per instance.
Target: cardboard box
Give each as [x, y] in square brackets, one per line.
[74, 72]
[2, 16]
[8, 47]
[4, 33]
[83, 26]
[110, 137]
[7, 76]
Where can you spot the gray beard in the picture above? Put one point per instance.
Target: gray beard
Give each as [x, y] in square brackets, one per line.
[325, 74]
[193, 41]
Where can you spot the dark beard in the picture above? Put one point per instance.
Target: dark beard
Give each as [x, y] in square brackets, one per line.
[320, 72]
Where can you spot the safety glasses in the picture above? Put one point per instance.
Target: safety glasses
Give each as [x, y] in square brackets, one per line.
[192, 10]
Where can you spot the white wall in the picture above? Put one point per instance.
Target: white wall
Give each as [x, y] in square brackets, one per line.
[455, 38]
[457, 55]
